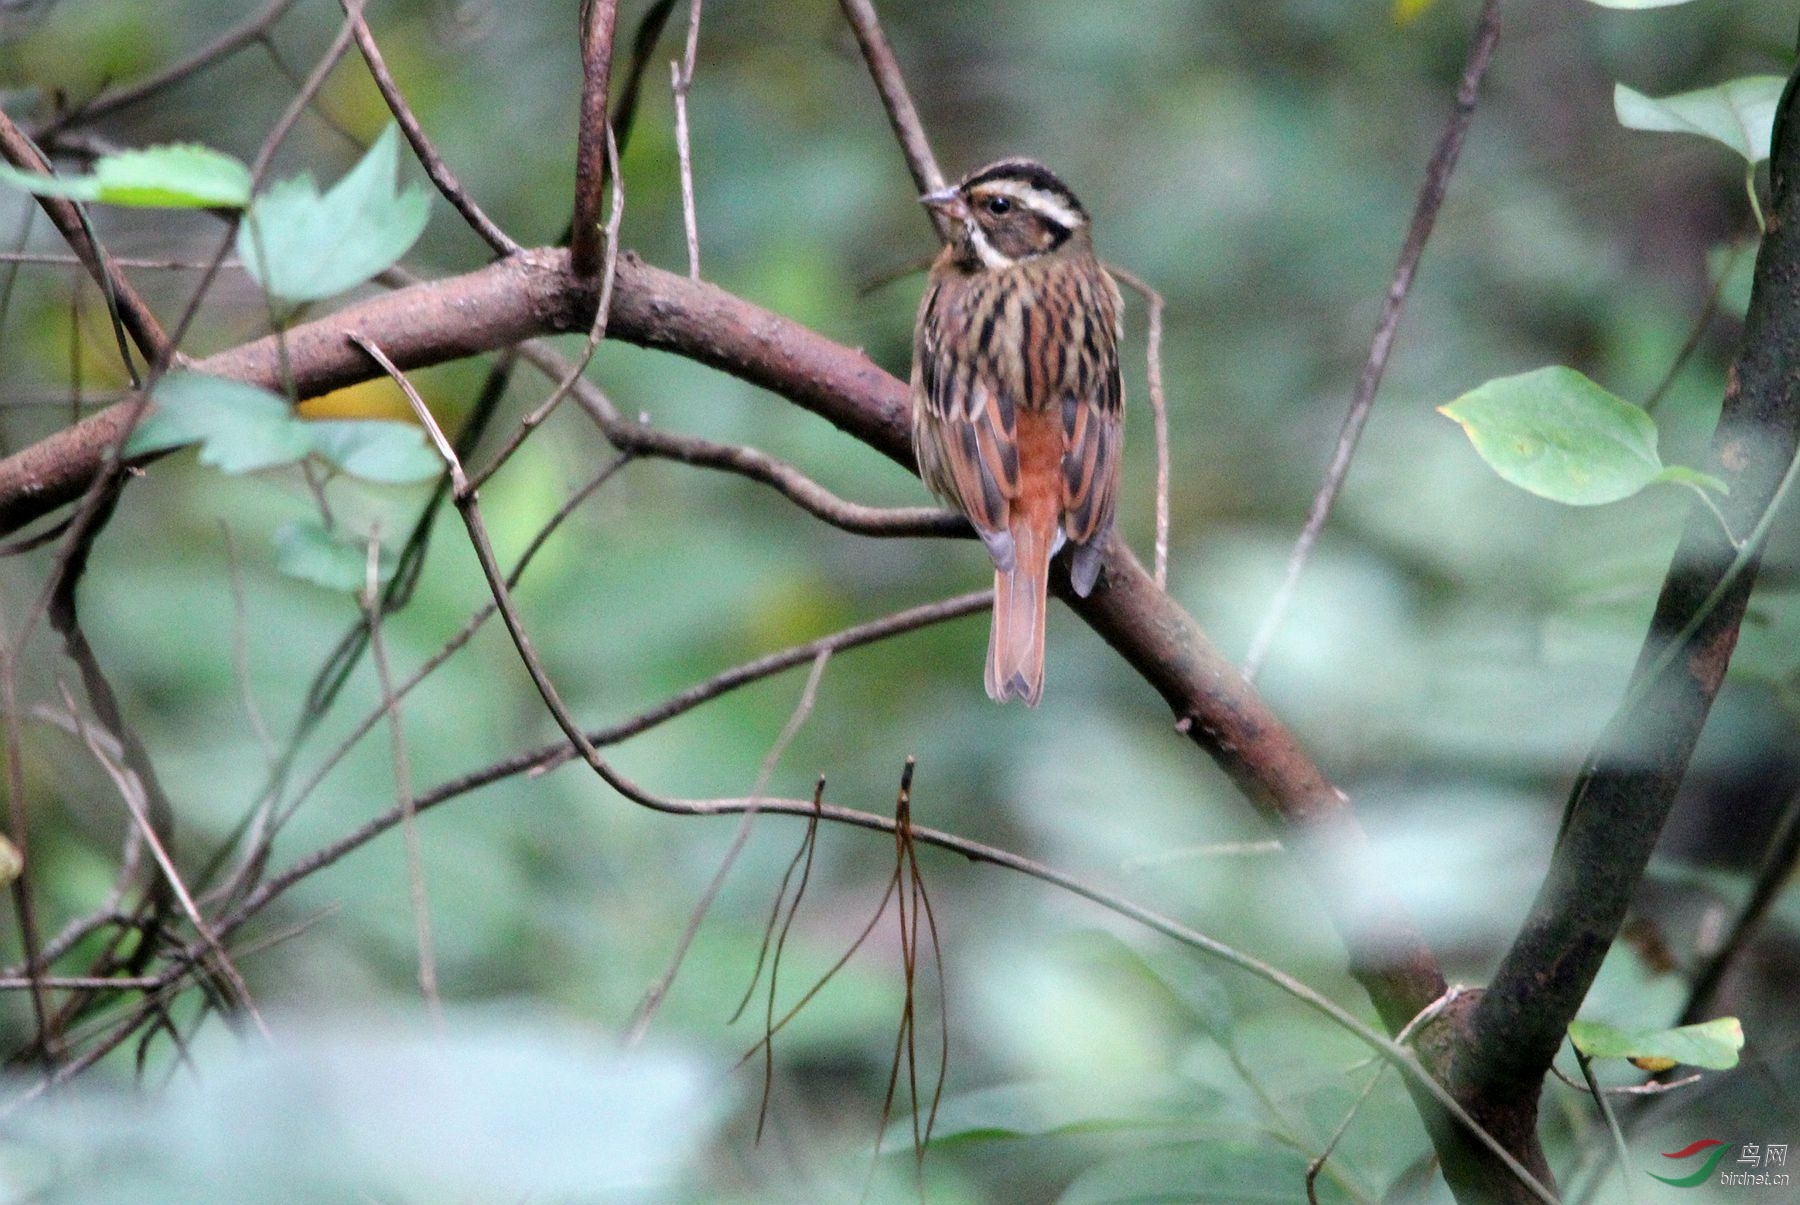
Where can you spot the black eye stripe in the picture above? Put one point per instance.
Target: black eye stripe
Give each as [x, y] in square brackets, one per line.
[1032, 175]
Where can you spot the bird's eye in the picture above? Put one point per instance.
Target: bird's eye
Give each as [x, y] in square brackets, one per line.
[999, 206]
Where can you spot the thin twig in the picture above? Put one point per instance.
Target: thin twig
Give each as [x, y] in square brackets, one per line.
[596, 329]
[1431, 200]
[1621, 1154]
[640, 439]
[474, 624]
[909, 620]
[132, 791]
[885, 69]
[240, 647]
[134, 313]
[409, 828]
[681, 79]
[1318, 1162]
[1159, 412]
[11, 983]
[659, 990]
[24, 897]
[593, 134]
[1771, 878]
[1655, 1087]
[1709, 309]
[1403, 1060]
[433, 163]
[137, 263]
[107, 103]
[643, 44]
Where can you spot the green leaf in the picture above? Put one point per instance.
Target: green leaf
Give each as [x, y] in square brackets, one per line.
[176, 176]
[305, 550]
[379, 450]
[301, 246]
[1560, 436]
[1739, 113]
[42, 184]
[239, 426]
[1713, 1044]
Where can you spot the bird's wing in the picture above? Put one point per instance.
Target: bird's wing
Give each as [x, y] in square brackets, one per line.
[1093, 420]
[964, 434]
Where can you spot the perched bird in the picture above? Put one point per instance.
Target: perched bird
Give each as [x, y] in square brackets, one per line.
[1018, 411]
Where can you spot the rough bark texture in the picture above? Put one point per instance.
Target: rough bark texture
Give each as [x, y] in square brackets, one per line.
[1620, 802]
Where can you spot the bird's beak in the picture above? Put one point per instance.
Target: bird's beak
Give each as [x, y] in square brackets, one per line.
[947, 201]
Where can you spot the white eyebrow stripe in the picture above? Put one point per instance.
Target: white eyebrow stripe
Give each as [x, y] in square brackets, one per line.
[1046, 203]
[986, 250]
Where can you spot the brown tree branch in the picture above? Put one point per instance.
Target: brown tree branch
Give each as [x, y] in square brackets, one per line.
[597, 20]
[1622, 798]
[885, 69]
[640, 439]
[537, 293]
[132, 310]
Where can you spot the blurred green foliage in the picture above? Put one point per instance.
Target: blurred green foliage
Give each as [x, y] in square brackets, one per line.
[1455, 646]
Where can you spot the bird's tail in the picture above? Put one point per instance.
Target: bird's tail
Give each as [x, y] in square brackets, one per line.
[1015, 667]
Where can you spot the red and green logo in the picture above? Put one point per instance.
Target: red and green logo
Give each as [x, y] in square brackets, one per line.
[1718, 1147]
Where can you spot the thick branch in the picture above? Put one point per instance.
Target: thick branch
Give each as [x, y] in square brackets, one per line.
[537, 293]
[1623, 797]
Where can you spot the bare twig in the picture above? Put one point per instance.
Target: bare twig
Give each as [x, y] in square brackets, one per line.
[1431, 199]
[593, 133]
[132, 791]
[162, 264]
[415, 862]
[909, 620]
[1655, 1087]
[121, 983]
[641, 440]
[133, 313]
[24, 899]
[596, 329]
[1159, 412]
[240, 647]
[927, 176]
[1771, 877]
[1622, 1156]
[256, 29]
[803, 858]
[450, 647]
[470, 509]
[643, 44]
[681, 79]
[434, 164]
[654, 997]
[1709, 309]
[1318, 1162]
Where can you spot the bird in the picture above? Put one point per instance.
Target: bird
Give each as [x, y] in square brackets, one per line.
[1018, 411]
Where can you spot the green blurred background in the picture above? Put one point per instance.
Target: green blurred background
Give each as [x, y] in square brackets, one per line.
[1455, 646]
